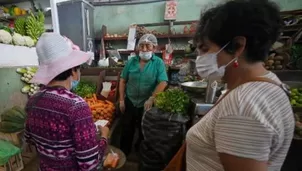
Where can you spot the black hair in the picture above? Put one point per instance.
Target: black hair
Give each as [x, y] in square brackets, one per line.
[259, 21]
[64, 75]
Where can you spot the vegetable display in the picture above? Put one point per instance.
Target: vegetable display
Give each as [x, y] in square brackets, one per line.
[12, 120]
[101, 109]
[20, 25]
[35, 25]
[13, 11]
[18, 39]
[5, 37]
[85, 89]
[25, 31]
[276, 61]
[172, 101]
[26, 75]
[296, 97]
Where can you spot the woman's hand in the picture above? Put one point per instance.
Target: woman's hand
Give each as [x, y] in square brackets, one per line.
[149, 103]
[122, 106]
[104, 131]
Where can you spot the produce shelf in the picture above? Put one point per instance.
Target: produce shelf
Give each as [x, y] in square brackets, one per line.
[46, 14]
[157, 36]
[13, 17]
[130, 51]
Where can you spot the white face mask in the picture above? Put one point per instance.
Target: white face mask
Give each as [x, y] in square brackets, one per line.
[145, 55]
[207, 67]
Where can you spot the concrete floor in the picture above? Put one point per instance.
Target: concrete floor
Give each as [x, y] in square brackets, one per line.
[129, 166]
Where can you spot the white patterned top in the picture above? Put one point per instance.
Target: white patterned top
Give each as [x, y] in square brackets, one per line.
[253, 121]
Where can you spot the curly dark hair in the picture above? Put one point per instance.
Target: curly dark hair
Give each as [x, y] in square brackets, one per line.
[259, 21]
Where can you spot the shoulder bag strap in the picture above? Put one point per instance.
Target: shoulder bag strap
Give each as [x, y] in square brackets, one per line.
[284, 87]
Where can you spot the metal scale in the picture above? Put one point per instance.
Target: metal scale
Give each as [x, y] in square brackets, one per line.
[203, 94]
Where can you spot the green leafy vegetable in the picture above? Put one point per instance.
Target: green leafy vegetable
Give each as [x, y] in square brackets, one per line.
[85, 89]
[173, 101]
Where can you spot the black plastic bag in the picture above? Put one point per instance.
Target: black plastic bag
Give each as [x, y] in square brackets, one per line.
[163, 136]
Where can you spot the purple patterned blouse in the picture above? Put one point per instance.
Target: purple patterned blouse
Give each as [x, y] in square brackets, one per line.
[60, 126]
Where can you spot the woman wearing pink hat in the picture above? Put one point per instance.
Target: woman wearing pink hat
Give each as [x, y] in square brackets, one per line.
[59, 122]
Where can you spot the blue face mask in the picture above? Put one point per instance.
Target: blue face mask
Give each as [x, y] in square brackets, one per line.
[74, 84]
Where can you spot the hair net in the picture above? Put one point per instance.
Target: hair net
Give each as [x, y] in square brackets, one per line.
[148, 38]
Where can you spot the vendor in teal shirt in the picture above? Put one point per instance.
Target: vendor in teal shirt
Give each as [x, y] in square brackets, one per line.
[142, 78]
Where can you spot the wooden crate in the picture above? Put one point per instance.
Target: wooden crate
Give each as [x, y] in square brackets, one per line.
[15, 163]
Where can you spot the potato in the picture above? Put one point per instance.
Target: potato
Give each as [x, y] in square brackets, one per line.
[272, 55]
[279, 67]
[269, 62]
[279, 58]
[277, 62]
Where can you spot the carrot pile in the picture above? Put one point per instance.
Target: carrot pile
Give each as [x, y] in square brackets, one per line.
[101, 109]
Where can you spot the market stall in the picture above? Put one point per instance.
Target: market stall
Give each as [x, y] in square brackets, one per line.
[185, 102]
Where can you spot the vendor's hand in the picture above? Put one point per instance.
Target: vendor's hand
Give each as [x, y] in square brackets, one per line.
[149, 103]
[104, 130]
[122, 106]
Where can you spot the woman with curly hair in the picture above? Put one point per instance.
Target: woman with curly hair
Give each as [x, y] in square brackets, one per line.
[252, 127]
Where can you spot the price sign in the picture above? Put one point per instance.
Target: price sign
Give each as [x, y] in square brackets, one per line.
[171, 10]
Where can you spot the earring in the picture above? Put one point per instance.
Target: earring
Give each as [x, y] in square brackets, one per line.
[236, 64]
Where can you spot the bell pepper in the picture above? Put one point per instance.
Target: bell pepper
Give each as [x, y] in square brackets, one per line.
[17, 11]
[23, 12]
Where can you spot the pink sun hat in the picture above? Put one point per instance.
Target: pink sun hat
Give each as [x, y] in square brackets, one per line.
[57, 54]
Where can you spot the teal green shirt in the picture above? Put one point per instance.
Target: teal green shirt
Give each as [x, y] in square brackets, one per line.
[140, 84]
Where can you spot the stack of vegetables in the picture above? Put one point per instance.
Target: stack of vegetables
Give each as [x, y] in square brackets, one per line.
[13, 11]
[173, 100]
[27, 74]
[13, 120]
[85, 89]
[101, 109]
[26, 32]
[296, 97]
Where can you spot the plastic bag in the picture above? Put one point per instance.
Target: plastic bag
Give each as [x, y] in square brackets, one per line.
[7, 150]
[163, 136]
[103, 62]
[114, 53]
[106, 89]
[183, 72]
